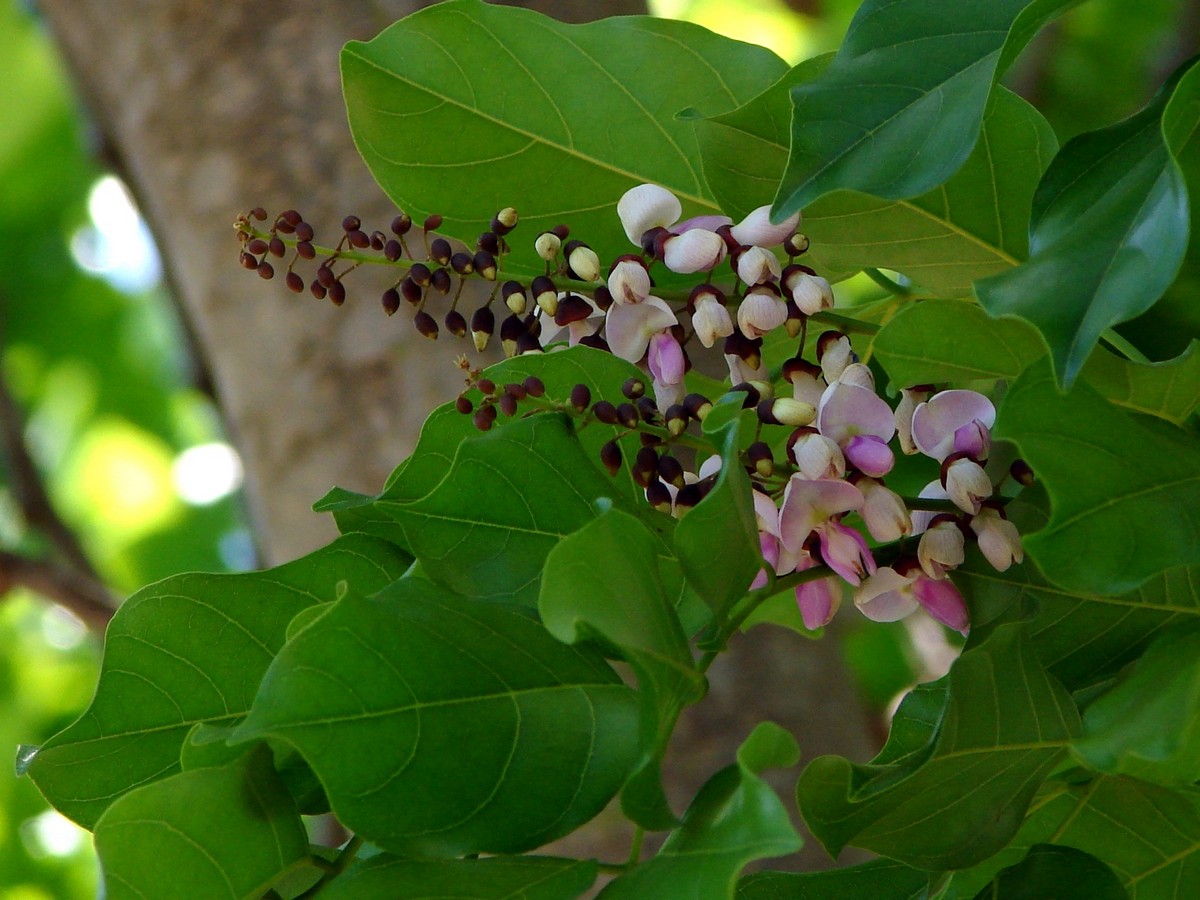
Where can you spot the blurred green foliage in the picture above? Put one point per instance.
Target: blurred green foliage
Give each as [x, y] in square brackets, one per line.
[108, 390]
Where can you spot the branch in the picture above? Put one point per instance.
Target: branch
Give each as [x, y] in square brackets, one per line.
[80, 594]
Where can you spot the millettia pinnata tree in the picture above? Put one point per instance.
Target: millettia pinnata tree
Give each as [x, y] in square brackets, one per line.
[613, 203]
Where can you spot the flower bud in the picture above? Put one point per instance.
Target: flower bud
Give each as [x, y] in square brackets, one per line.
[483, 324]
[628, 280]
[883, 512]
[514, 296]
[759, 455]
[815, 456]
[760, 311]
[941, 547]
[505, 221]
[859, 374]
[910, 398]
[966, 482]
[811, 293]
[834, 354]
[582, 262]
[698, 406]
[786, 411]
[544, 294]
[676, 418]
[547, 245]
[610, 456]
[485, 264]
[998, 538]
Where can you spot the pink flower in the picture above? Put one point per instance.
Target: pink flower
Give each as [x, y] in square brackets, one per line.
[757, 228]
[884, 513]
[819, 599]
[629, 281]
[645, 207]
[998, 538]
[890, 595]
[861, 423]
[695, 250]
[810, 507]
[937, 423]
[967, 484]
[629, 326]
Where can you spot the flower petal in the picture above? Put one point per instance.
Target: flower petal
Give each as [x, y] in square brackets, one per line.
[807, 504]
[847, 410]
[757, 228]
[629, 326]
[941, 599]
[647, 206]
[935, 421]
[886, 596]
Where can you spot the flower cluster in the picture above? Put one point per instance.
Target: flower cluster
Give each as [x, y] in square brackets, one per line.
[825, 514]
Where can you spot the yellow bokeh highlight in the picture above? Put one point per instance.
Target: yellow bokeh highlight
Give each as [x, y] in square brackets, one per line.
[768, 23]
[118, 481]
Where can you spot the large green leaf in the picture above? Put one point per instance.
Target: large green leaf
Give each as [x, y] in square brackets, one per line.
[942, 340]
[717, 541]
[484, 528]
[900, 107]
[1148, 835]
[441, 725]
[735, 818]
[1084, 638]
[1125, 489]
[466, 107]
[1108, 233]
[880, 878]
[603, 581]
[190, 649]
[972, 226]
[1047, 870]
[1148, 725]
[961, 797]
[222, 831]
[499, 878]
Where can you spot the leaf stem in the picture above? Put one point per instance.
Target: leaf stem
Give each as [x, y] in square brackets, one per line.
[892, 287]
[1123, 346]
[635, 849]
[345, 857]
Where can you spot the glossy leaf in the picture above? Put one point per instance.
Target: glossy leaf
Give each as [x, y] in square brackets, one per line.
[1004, 728]
[1047, 871]
[972, 226]
[1147, 835]
[717, 541]
[427, 716]
[1125, 489]
[498, 878]
[428, 109]
[186, 650]
[735, 819]
[510, 495]
[1148, 725]
[221, 831]
[879, 878]
[1084, 638]
[1108, 233]
[602, 581]
[941, 340]
[900, 107]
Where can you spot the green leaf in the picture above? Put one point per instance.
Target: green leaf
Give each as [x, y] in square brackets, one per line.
[1125, 489]
[442, 726]
[1084, 638]
[1047, 871]
[735, 819]
[880, 878]
[962, 796]
[1148, 835]
[899, 109]
[465, 108]
[220, 831]
[506, 500]
[1148, 725]
[717, 541]
[190, 649]
[972, 226]
[499, 878]
[945, 340]
[603, 581]
[1108, 233]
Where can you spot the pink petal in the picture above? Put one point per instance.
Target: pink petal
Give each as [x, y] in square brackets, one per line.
[644, 207]
[818, 601]
[942, 600]
[886, 596]
[807, 504]
[935, 421]
[664, 356]
[628, 326]
[766, 513]
[693, 251]
[708, 223]
[845, 551]
[847, 410]
[757, 228]
[869, 455]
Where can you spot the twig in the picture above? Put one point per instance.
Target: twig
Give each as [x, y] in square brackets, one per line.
[83, 596]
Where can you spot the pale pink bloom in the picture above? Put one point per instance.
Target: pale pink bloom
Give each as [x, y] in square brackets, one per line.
[998, 538]
[858, 374]
[664, 356]
[909, 399]
[818, 600]
[705, 223]
[807, 383]
[967, 484]
[883, 512]
[861, 423]
[810, 293]
[757, 228]
[741, 371]
[576, 329]
[941, 548]
[756, 265]
[845, 551]
[937, 422]
[667, 394]
[760, 311]
[810, 506]
[647, 206]
[816, 456]
[629, 282]
[629, 326]
[696, 250]
[836, 356]
[888, 596]
[711, 320]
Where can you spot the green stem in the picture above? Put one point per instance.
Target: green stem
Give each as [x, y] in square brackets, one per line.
[345, 857]
[846, 323]
[892, 287]
[1123, 346]
[635, 849]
